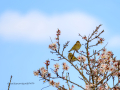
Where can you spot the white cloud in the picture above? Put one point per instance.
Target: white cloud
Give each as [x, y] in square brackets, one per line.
[35, 26]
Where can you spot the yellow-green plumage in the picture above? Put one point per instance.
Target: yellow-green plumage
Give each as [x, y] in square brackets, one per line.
[77, 46]
[71, 57]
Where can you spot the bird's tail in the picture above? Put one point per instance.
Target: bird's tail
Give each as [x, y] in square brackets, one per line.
[69, 50]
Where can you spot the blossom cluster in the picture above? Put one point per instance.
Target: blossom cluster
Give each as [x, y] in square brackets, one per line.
[44, 73]
[105, 64]
[53, 46]
[58, 33]
[100, 40]
[81, 58]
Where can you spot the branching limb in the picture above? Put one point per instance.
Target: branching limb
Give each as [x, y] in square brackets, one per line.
[94, 31]
[74, 67]
[99, 50]
[64, 46]
[97, 36]
[105, 78]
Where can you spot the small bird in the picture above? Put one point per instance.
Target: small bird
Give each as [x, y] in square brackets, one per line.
[71, 57]
[77, 46]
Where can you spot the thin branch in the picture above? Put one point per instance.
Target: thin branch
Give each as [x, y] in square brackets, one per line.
[97, 36]
[10, 82]
[99, 50]
[45, 87]
[95, 31]
[64, 46]
[50, 39]
[94, 45]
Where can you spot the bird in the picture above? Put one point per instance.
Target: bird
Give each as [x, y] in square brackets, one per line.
[76, 47]
[71, 57]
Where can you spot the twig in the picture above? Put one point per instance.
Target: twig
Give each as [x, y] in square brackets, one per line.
[99, 50]
[10, 82]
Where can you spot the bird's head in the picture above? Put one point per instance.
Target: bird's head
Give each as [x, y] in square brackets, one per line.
[70, 53]
[78, 42]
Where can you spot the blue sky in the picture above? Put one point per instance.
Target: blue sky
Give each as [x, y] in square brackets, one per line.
[27, 25]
